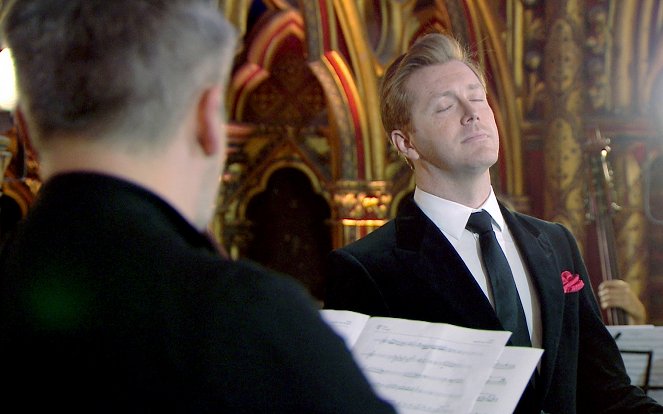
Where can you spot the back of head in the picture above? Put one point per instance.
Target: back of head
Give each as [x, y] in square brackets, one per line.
[118, 70]
[431, 49]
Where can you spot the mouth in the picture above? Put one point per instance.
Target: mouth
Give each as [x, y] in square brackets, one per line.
[475, 136]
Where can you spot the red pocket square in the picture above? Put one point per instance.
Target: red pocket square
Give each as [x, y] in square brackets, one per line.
[571, 283]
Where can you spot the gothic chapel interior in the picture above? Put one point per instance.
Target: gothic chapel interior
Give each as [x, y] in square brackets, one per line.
[310, 167]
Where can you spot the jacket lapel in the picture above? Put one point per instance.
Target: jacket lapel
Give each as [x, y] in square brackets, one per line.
[541, 263]
[422, 247]
[436, 265]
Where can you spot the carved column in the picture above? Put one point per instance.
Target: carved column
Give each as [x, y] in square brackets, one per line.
[563, 58]
[229, 226]
[631, 223]
[360, 207]
[236, 236]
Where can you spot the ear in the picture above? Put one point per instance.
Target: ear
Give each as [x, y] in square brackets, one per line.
[210, 130]
[404, 145]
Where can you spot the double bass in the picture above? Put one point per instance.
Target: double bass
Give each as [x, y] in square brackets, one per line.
[602, 209]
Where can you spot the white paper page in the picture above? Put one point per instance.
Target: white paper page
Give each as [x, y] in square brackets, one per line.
[347, 324]
[427, 368]
[641, 338]
[506, 383]
[657, 395]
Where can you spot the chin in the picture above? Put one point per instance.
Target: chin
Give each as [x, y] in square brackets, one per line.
[486, 159]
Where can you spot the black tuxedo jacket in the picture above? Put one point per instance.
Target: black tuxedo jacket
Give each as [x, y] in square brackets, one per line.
[408, 269]
[110, 301]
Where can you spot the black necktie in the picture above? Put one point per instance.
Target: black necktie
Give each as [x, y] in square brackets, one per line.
[507, 302]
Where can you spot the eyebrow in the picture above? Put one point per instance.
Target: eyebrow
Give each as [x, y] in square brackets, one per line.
[470, 87]
[474, 86]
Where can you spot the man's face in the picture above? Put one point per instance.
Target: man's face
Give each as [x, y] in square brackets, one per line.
[453, 128]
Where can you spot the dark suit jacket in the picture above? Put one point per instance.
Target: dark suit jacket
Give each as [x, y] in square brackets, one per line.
[110, 301]
[408, 269]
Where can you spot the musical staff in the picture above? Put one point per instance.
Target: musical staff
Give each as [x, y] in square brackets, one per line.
[424, 367]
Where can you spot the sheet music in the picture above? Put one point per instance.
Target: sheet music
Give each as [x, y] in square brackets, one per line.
[427, 368]
[641, 338]
[423, 367]
[509, 378]
[656, 395]
[347, 324]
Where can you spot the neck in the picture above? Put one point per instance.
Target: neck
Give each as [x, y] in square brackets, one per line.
[163, 173]
[471, 191]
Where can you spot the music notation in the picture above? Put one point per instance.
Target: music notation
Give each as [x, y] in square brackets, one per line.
[424, 367]
[642, 351]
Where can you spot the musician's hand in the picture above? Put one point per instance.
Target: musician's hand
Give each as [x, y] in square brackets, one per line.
[618, 294]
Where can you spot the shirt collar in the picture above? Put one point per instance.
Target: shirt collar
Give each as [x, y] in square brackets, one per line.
[451, 217]
[493, 208]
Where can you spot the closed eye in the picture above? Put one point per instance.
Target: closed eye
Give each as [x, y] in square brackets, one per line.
[477, 99]
[443, 109]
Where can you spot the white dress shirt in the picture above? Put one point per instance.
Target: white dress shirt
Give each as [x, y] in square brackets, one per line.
[451, 218]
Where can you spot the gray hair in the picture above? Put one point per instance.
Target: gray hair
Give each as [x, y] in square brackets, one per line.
[114, 69]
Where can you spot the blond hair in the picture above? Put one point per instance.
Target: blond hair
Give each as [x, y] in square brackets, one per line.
[431, 49]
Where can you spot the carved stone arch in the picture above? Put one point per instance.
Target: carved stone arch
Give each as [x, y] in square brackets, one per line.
[290, 224]
[19, 181]
[341, 59]
[317, 184]
[21, 195]
[278, 119]
[342, 100]
[259, 57]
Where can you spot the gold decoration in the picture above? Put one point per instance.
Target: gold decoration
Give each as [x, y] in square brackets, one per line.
[356, 200]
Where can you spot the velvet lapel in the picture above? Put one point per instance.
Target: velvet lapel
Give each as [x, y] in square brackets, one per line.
[537, 252]
[422, 247]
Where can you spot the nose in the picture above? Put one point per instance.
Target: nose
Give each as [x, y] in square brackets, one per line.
[470, 114]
